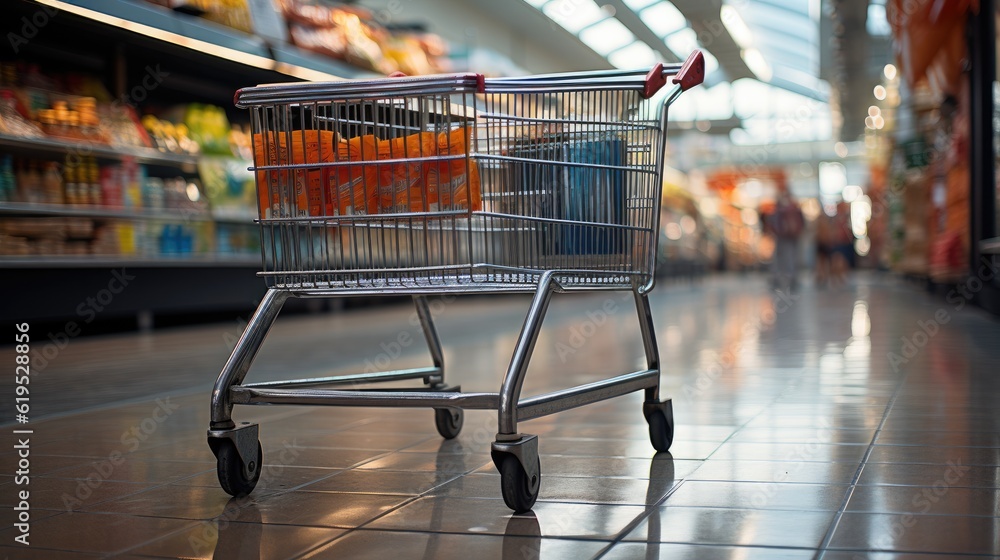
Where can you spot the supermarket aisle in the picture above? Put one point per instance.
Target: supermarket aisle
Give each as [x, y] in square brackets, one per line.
[825, 425]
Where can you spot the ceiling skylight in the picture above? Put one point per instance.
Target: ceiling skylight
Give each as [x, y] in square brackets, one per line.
[607, 36]
[636, 55]
[663, 18]
[574, 15]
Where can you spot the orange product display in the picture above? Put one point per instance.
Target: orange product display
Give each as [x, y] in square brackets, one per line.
[370, 187]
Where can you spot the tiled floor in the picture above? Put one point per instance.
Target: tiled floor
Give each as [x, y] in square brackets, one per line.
[800, 435]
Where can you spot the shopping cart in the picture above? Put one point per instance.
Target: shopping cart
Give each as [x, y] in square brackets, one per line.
[454, 184]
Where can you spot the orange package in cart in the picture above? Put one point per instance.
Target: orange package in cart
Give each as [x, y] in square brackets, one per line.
[302, 187]
[401, 184]
[344, 183]
[353, 187]
[454, 183]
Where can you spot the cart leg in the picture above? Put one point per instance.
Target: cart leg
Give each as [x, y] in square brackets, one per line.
[448, 421]
[238, 365]
[510, 391]
[516, 455]
[433, 342]
[659, 414]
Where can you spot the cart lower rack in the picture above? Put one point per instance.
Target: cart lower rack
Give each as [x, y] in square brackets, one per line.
[454, 184]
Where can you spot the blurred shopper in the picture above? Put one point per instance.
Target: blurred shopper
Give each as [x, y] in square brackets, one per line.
[842, 241]
[785, 224]
[825, 244]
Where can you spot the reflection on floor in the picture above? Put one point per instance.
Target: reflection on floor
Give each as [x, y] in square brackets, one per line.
[828, 424]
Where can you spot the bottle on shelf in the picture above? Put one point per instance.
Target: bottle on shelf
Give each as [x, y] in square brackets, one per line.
[52, 184]
[69, 179]
[8, 183]
[94, 182]
[29, 185]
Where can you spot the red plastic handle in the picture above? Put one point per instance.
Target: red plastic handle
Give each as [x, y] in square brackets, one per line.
[692, 72]
[654, 81]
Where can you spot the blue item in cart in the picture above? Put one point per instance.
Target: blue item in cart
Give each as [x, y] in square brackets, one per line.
[595, 195]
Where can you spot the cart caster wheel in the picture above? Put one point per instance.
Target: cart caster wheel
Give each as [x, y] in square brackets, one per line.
[233, 476]
[661, 427]
[449, 421]
[516, 486]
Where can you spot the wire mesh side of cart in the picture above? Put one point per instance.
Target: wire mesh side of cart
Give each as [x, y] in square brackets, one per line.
[453, 182]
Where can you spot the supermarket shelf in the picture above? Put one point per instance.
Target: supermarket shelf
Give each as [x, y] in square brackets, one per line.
[98, 261]
[34, 146]
[990, 246]
[23, 209]
[209, 38]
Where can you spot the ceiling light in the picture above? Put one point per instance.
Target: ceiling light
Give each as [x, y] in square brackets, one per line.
[663, 19]
[879, 92]
[574, 15]
[756, 63]
[873, 111]
[840, 149]
[890, 71]
[607, 36]
[736, 26]
[870, 123]
[636, 55]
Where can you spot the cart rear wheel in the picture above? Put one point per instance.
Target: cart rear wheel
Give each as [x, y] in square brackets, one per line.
[449, 421]
[232, 475]
[516, 486]
[661, 430]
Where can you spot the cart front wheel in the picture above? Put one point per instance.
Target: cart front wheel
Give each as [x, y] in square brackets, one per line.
[449, 421]
[661, 430]
[233, 471]
[516, 486]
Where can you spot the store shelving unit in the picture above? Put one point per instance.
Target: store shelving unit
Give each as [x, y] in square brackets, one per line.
[206, 62]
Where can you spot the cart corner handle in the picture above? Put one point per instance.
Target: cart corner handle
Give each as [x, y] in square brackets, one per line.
[692, 72]
[480, 80]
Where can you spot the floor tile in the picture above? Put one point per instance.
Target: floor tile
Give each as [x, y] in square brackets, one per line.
[940, 500]
[673, 551]
[316, 509]
[100, 533]
[381, 482]
[758, 495]
[459, 515]
[776, 471]
[73, 494]
[910, 474]
[436, 462]
[946, 534]
[974, 456]
[378, 545]
[804, 529]
[226, 539]
[181, 502]
[791, 452]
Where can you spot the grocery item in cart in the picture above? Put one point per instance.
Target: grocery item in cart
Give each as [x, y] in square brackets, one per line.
[454, 183]
[409, 182]
[344, 185]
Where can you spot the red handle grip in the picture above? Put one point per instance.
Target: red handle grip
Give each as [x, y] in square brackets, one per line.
[692, 72]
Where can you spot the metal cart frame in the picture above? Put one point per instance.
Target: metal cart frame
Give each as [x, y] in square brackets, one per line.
[288, 238]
